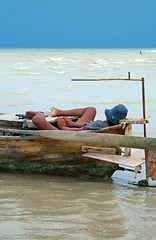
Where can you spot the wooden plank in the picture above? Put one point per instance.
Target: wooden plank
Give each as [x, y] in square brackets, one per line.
[106, 150]
[128, 132]
[10, 120]
[103, 139]
[151, 164]
[134, 121]
[134, 160]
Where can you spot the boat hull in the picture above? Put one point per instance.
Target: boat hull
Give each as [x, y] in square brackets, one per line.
[48, 156]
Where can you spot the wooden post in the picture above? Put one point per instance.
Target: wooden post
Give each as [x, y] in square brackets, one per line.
[151, 165]
[128, 132]
[143, 104]
[144, 116]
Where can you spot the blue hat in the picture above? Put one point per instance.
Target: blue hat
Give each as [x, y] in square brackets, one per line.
[116, 113]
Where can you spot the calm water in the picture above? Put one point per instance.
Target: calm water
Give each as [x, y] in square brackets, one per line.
[48, 207]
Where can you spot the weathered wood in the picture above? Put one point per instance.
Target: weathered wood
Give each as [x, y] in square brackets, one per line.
[135, 121]
[49, 156]
[93, 138]
[134, 160]
[128, 132]
[39, 149]
[102, 139]
[44, 155]
[106, 150]
[12, 121]
[109, 79]
[151, 164]
[117, 129]
[20, 132]
[103, 79]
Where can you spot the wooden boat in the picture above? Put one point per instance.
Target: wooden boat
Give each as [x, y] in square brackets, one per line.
[94, 154]
[28, 152]
[62, 152]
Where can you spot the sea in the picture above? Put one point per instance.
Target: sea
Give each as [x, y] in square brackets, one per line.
[51, 207]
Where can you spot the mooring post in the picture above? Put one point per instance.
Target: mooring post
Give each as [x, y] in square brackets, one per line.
[143, 103]
[144, 116]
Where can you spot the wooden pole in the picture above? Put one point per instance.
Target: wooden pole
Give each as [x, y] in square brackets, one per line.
[106, 79]
[143, 104]
[104, 139]
[144, 116]
[90, 137]
[103, 79]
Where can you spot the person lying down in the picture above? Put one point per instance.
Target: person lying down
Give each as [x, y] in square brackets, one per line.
[85, 121]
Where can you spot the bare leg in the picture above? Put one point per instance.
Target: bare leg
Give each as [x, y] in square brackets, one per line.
[31, 114]
[39, 120]
[86, 115]
[72, 112]
[61, 123]
[70, 123]
[41, 123]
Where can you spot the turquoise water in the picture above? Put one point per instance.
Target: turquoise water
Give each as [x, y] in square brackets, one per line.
[47, 207]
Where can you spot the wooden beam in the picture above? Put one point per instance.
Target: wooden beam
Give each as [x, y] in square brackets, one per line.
[103, 79]
[104, 139]
[134, 121]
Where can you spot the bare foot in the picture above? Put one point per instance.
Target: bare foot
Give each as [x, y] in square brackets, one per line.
[54, 111]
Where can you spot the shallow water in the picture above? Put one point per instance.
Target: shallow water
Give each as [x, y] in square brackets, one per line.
[48, 207]
[36, 79]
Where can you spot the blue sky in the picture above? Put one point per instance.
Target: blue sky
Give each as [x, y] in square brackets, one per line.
[78, 23]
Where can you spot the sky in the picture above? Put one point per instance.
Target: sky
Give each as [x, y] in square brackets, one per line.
[77, 23]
